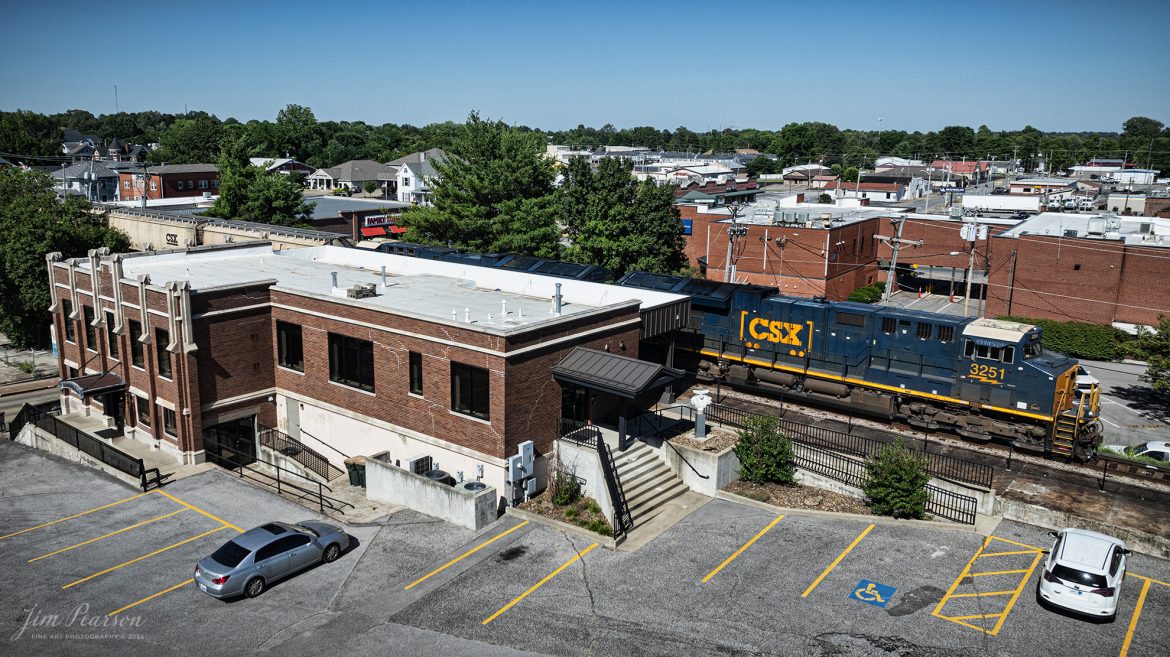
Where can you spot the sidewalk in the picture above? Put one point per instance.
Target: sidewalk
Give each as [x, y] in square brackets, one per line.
[24, 365]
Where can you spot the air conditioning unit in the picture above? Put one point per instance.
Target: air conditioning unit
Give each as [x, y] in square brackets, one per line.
[420, 465]
[362, 291]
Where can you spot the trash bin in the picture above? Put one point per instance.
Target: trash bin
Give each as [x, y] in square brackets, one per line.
[355, 466]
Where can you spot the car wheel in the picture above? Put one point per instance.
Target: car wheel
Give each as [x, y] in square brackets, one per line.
[331, 553]
[254, 587]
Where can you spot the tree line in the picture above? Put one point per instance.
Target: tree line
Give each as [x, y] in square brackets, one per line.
[197, 137]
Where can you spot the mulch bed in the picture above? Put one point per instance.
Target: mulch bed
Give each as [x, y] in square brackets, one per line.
[799, 497]
[580, 513]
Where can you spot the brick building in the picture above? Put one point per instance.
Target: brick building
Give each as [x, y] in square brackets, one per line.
[195, 350]
[169, 181]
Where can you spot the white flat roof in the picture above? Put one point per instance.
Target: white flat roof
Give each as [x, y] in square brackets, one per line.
[481, 298]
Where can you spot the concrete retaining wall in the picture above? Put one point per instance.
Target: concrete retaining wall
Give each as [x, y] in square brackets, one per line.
[1146, 543]
[37, 438]
[387, 483]
[274, 457]
[721, 468]
[585, 464]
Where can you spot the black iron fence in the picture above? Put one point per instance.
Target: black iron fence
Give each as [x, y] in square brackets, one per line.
[830, 464]
[91, 445]
[937, 465]
[951, 505]
[311, 459]
[586, 435]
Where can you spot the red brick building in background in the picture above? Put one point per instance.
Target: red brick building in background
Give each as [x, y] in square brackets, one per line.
[194, 351]
[168, 181]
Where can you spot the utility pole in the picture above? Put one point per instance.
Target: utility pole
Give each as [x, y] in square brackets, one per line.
[896, 243]
[970, 231]
[735, 230]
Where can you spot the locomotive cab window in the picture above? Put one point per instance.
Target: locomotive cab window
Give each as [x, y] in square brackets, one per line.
[1033, 349]
[1004, 354]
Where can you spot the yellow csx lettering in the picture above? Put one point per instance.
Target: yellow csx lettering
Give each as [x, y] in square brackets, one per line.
[775, 331]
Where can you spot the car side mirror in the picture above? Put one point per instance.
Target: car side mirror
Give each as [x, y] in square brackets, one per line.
[1054, 534]
[1127, 552]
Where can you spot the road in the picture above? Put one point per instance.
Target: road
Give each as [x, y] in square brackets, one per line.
[1129, 410]
[10, 404]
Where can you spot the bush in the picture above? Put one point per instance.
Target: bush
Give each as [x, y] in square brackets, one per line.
[1079, 339]
[370, 186]
[825, 198]
[27, 366]
[896, 482]
[765, 454]
[869, 294]
[566, 489]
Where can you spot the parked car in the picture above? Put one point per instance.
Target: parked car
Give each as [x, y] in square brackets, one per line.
[1155, 449]
[1083, 573]
[999, 190]
[248, 563]
[1085, 380]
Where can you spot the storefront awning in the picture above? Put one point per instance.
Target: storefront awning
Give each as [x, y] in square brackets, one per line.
[622, 376]
[373, 231]
[94, 384]
[398, 230]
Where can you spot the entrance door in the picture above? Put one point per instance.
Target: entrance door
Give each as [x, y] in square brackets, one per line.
[114, 404]
[231, 444]
[574, 403]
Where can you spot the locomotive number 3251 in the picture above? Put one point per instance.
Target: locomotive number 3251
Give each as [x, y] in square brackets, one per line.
[987, 372]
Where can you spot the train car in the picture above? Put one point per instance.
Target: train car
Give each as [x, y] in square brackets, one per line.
[982, 379]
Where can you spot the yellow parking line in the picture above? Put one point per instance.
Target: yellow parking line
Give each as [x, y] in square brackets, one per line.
[151, 597]
[198, 510]
[1137, 614]
[462, 556]
[113, 533]
[980, 595]
[1014, 593]
[1004, 554]
[974, 616]
[538, 584]
[145, 556]
[987, 573]
[1151, 579]
[77, 515]
[836, 562]
[741, 549]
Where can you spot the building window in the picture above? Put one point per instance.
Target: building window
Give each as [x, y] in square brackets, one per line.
[202, 184]
[406, 182]
[289, 349]
[136, 356]
[470, 391]
[153, 185]
[215, 183]
[143, 406]
[111, 337]
[416, 373]
[179, 185]
[190, 184]
[126, 184]
[73, 372]
[169, 424]
[162, 338]
[90, 332]
[351, 362]
[70, 327]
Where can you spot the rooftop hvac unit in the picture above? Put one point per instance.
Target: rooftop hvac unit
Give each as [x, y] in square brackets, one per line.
[439, 476]
[473, 486]
[1071, 232]
[362, 291]
[420, 465]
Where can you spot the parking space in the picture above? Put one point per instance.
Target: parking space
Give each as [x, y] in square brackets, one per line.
[729, 578]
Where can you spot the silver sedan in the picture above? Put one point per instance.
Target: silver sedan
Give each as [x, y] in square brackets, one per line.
[248, 563]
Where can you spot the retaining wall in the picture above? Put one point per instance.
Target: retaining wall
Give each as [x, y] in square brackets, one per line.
[386, 482]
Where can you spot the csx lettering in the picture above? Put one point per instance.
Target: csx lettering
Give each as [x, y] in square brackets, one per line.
[775, 331]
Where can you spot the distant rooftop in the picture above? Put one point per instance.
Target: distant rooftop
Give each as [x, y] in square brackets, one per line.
[1044, 181]
[328, 207]
[489, 300]
[769, 212]
[1143, 231]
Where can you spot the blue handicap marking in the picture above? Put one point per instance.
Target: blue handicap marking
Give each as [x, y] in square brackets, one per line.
[873, 593]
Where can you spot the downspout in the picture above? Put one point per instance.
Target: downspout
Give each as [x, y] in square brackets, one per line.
[51, 258]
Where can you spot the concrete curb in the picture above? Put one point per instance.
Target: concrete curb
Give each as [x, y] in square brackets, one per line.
[607, 542]
[877, 520]
[27, 386]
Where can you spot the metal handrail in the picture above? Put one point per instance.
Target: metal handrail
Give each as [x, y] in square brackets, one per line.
[684, 460]
[310, 458]
[322, 498]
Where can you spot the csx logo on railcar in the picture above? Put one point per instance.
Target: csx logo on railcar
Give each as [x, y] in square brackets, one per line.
[772, 330]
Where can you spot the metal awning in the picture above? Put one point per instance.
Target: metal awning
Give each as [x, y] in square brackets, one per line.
[622, 376]
[94, 384]
[373, 231]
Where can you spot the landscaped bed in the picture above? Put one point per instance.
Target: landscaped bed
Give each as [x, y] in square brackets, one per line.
[799, 497]
[584, 512]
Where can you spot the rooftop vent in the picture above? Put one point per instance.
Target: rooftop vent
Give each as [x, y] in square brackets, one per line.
[362, 291]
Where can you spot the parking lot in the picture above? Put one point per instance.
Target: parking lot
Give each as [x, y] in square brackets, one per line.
[730, 578]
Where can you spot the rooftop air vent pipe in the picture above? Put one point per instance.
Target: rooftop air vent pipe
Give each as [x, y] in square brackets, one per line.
[383, 275]
[334, 275]
[557, 307]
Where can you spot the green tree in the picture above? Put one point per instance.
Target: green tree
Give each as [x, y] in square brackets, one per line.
[34, 223]
[190, 141]
[494, 195]
[248, 193]
[850, 174]
[1141, 126]
[617, 222]
[896, 481]
[1154, 346]
[765, 454]
[296, 133]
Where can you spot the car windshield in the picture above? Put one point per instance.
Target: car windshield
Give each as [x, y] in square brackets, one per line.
[230, 554]
[1080, 577]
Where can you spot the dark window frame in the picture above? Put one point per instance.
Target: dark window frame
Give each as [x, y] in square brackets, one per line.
[416, 373]
[137, 352]
[87, 317]
[70, 326]
[290, 346]
[170, 421]
[142, 406]
[471, 391]
[351, 362]
[111, 337]
[162, 338]
[851, 319]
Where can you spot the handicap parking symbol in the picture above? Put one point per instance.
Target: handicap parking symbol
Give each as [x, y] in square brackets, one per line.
[872, 593]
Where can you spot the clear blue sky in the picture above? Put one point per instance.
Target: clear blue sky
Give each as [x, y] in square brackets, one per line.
[1058, 66]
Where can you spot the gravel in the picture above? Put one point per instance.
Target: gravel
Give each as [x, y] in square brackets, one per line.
[799, 497]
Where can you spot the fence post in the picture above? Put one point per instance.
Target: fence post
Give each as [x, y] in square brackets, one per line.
[1009, 463]
[278, 481]
[320, 498]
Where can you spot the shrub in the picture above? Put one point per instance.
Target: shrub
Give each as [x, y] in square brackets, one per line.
[592, 507]
[825, 198]
[869, 294]
[27, 366]
[370, 186]
[765, 453]
[566, 489]
[896, 482]
[570, 513]
[1079, 339]
[599, 527]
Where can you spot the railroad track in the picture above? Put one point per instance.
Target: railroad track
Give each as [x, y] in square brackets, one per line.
[1000, 456]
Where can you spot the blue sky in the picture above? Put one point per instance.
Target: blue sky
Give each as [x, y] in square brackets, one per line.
[879, 64]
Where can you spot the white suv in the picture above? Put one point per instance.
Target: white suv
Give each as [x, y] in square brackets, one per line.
[1084, 572]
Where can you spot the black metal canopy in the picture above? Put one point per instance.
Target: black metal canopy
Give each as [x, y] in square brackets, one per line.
[94, 384]
[622, 376]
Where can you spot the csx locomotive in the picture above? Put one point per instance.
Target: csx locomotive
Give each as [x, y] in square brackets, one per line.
[980, 378]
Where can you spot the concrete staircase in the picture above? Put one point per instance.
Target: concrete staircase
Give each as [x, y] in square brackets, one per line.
[648, 483]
